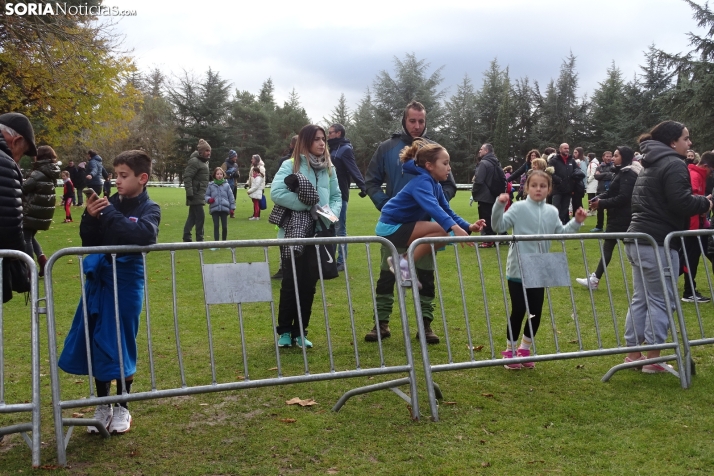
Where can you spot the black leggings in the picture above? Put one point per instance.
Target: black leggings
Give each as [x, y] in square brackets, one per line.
[607, 248]
[518, 310]
[223, 217]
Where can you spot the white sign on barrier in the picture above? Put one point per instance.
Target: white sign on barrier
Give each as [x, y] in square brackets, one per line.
[233, 283]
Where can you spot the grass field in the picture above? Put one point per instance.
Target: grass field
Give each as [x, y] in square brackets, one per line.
[558, 418]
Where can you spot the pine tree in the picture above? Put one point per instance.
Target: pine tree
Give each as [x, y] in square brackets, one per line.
[366, 133]
[608, 111]
[410, 82]
[340, 114]
[488, 100]
[461, 130]
[502, 131]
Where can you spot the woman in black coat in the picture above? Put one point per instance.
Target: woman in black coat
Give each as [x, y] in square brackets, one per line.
[618, 202]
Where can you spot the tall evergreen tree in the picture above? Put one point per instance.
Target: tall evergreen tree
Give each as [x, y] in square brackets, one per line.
[366, 133]
[410, 82]
[461, 130]
[340, 114]
[502, 131]
[525, 111]
[488, 100]
[608, 111]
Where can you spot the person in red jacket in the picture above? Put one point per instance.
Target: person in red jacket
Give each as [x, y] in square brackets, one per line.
[698, 174]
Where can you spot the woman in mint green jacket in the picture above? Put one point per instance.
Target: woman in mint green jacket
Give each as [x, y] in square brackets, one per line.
[311, 159]
[532, 216]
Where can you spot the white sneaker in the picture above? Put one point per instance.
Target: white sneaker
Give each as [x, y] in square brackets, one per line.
[592, 282]
[121, 423]
[103, 413]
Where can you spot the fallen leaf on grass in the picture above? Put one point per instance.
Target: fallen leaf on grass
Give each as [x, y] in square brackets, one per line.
[487, 395]
[241, 377]
[574, 341]
[288, 420]
[485, 464]
[448, 403]
[49, 466]
[69, 261]
[581, 366]
[332, 471]
[203, 404]
[549, 425]
[303, 403]
[79, 381]
[483, 442]
[273, 368]
[77, 415]
[478, 348]
[536, 461]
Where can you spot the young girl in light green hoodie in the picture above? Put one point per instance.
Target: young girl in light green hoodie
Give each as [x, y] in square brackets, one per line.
[532, 216]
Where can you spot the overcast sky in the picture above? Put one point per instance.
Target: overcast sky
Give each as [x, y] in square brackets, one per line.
[323, 49]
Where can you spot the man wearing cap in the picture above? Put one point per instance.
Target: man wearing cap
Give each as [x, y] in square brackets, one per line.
[195, 181]
[17, 138]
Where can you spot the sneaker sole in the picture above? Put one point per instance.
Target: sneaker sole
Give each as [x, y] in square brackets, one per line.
[117, 432]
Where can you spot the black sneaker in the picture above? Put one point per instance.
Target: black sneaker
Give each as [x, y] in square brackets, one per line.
[695, 297]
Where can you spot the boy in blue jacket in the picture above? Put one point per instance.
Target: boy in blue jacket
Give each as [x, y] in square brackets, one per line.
[127, 218]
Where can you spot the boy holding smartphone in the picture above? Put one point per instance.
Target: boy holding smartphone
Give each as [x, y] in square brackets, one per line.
[127, 218]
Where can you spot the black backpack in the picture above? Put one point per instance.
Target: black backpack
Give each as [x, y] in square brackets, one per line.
[497, 185]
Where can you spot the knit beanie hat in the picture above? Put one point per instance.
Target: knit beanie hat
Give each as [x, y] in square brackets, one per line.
[202, 146]
[232, 153]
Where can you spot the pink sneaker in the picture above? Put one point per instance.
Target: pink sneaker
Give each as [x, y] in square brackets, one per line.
[636, 369]
[525, 353]
[508, 354]
[656, 368]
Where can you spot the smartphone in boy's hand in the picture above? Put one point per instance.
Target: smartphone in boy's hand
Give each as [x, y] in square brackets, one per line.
[89, 193]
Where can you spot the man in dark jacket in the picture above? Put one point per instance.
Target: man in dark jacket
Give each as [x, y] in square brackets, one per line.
[343, 158]
[386, 168]
[17, 138]
[195, 182]
[488, 172]
[563, 169]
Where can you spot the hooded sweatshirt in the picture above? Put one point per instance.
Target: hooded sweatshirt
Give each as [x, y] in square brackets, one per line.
[528, 217]
[421, 196]
[698, 176]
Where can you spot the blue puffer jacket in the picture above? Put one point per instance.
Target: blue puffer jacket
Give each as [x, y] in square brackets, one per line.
[223, 199]
[94, 168]
[421, 196]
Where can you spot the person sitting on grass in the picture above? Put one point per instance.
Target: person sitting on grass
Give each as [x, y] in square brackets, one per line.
[532, 216]
[129, 217]
[401, 221]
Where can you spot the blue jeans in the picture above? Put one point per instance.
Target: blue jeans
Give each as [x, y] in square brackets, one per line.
[341, 230]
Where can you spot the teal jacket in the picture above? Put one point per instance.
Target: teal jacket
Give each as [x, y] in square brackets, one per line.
[324, 181]
[528, 217]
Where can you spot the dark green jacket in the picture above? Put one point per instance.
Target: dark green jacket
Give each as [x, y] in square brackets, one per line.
[195, 180]
[38, 192]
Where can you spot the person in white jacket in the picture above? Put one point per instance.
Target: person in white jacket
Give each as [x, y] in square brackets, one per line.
[590, 180]
[256, 185]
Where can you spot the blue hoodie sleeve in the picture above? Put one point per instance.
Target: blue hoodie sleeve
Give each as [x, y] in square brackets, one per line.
[423, 194]
[443, 202]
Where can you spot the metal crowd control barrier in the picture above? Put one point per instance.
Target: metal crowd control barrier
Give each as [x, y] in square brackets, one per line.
[693, 244]
[245, 283]
[587, 333]
[34, 345]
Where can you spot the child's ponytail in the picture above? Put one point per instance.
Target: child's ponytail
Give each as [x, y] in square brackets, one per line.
[421, 152]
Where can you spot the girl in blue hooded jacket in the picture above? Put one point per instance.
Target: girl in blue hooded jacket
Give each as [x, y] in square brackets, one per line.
[221, 202]
[405, 217]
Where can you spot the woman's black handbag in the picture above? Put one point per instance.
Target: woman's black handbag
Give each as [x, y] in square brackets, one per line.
[328, 257]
